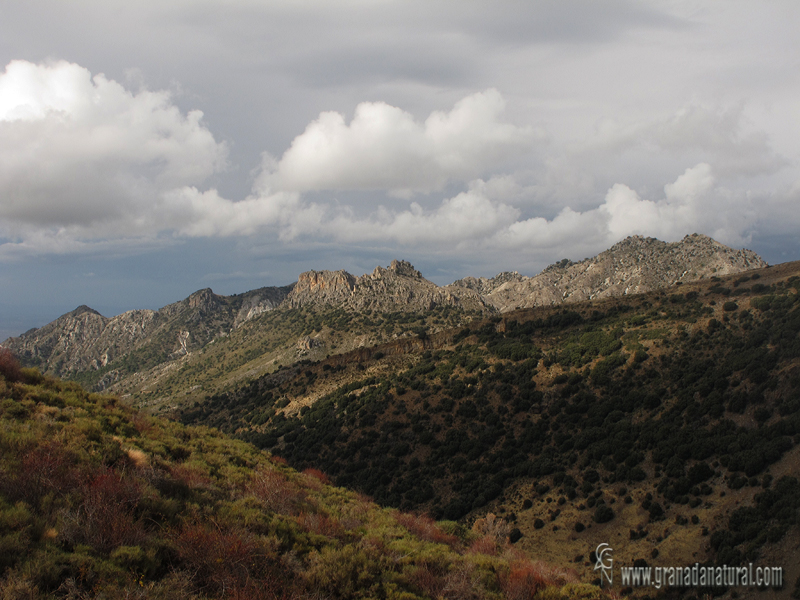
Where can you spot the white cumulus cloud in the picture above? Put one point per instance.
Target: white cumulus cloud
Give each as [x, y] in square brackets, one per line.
[464, 220]
[82, 152]
[383, 147]
[86, 164]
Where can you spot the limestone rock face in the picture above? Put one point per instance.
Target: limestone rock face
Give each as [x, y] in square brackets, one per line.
[634, 265]
[399, 287]
[321, 287]
[257, 302]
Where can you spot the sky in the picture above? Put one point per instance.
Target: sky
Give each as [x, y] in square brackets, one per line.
[151, 149]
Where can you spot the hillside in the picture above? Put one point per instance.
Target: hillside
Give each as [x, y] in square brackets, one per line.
[209, 343]
[100, 501]
[668, 422]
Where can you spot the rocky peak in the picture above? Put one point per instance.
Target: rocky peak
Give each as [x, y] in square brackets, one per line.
[81, 310]
[203, 299]
[398, 287]
[405, 268]
[634, 265]
[327, 287]
[482, 285]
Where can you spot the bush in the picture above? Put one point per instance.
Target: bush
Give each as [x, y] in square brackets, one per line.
[656, 511]
[603, 514]
[9, 365]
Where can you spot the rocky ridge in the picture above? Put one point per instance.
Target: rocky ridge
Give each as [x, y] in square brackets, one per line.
[83, 340]
[400, 287]
[634, 265]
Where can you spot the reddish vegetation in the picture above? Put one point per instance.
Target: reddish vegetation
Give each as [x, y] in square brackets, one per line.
[526, 578]
[321, 524]
[193, 477]
[425, 528]
[319, 475]
[9, 366]
[277, 492]
[106, 518]
[45, 469]
[457, 583]
[222, 562]
[484, 545]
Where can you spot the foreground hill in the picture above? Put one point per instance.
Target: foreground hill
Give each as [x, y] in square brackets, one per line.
[208, 343]
[99, 501]
[665, 423]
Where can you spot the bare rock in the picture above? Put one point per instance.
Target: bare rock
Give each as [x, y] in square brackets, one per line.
[399, 287]
[634, 265]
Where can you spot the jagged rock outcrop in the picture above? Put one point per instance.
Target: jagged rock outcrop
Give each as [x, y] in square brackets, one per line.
[634, 265]
[259, 301]
[400, 287]
[322, 287]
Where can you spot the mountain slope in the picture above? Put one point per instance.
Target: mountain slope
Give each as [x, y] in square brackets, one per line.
[84, 340]
[674, 417]
[99, 501]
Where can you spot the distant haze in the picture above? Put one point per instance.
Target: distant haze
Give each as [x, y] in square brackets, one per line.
[151, 149]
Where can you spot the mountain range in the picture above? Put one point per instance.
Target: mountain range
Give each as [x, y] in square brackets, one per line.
[134, 352]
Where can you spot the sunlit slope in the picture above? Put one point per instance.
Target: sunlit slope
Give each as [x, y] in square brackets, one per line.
[98, 500]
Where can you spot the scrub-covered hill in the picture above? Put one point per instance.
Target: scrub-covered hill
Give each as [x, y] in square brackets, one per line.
[100, 501]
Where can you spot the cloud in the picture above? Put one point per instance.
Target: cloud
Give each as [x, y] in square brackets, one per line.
[384, 148]
[87, 165]
[714, 134]
[692, 203]
[463, 220]
[193, 213]
[84, 153]
[476, 221]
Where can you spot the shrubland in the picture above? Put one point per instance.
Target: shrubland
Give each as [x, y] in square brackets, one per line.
[98, 500]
